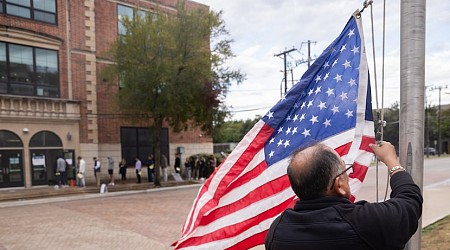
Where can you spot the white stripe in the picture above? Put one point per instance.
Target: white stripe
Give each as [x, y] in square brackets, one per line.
[220, 174]
[241, 215]
[225, 243]
[273, 172]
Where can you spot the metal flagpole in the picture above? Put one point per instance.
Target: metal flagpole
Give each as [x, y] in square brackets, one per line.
[412, 90]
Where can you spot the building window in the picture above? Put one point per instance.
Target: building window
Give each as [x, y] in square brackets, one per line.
[125, 11]
[28, 71]
[40, 10]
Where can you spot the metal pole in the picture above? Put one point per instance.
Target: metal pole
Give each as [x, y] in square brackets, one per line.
[412, 92]
[309, 53]
[439, 125]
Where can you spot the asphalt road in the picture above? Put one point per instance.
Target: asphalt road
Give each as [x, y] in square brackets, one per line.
[153, 219]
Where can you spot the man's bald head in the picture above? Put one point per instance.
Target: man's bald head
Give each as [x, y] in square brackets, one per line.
[311, 169]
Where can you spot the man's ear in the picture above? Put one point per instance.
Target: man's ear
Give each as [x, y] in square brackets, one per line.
[339, 187]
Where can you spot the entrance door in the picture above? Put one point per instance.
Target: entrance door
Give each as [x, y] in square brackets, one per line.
[43, 165]
[11, 168]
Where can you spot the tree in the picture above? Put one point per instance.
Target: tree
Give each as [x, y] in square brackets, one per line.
[233, 131]
[167, 71]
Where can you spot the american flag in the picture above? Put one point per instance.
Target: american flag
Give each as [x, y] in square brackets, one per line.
[332, 104]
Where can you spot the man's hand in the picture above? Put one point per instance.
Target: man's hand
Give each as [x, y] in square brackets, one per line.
[385, 152]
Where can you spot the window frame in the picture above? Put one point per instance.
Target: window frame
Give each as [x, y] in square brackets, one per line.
[32, 11]
[33, 83]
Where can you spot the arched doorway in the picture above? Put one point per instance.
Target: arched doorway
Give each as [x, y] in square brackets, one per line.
[45, 147]
[11, 160]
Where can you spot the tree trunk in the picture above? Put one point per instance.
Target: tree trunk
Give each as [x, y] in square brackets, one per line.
[157, 126]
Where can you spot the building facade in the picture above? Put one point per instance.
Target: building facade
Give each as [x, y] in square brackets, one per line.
[53, 100]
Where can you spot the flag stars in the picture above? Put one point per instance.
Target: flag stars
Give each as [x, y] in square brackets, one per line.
[330, 92]
[272, 140]
[313, 119]
[318, 90]
[306, 132]
[326, 65]
[351, 33]
[355, 50]
[349, 113]
[338, 78]
[294, 131]
[335, 109]
[346, 64]
[310, 103]
[288, 118]
[286, 143]
[303, 105]
[271, 154]
[352, 82]
[270, 115]
[318, 78]
[334, 63]
[343, 48]
[327, 123]
[295, 118]
[280, 129]
[280, 142]
[321, 105]
[311, 91]
[326, 76]
[302, 117]
[343, 96]
[288, 131]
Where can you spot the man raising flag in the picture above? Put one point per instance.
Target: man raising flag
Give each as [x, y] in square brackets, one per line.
[331, 104]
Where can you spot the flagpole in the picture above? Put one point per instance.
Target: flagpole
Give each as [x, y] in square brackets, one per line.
[412, 89]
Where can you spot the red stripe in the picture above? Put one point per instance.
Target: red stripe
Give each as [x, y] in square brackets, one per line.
[250, 242]
[260, 193]
[366, 140]
[236, 229]
[359, 171]
[256, 145]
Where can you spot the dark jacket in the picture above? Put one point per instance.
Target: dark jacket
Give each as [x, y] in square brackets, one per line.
[336, 223]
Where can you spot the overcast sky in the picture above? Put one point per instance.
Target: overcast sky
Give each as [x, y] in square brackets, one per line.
[264, 28]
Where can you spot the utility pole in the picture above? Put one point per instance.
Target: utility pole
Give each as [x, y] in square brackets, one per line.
[439, 119]
[412, 89]
[284, 53]
[309, 51]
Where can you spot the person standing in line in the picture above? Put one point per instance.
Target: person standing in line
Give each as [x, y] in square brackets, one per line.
[123, 169]
[187, 167]
[150, 167]
[138, 167]
[61, 170]
[81, 170]
[111, 170]
[97, 166]
[177, 164]
[201, 168]
[164, 167]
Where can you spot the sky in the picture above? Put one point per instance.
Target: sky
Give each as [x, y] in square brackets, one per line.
[261, 29]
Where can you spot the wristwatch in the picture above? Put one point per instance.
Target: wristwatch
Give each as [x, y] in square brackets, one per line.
[395, 168]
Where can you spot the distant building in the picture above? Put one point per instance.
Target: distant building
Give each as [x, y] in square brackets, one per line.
[52, 98]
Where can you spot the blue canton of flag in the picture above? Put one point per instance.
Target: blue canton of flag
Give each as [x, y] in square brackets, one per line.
[322, 103]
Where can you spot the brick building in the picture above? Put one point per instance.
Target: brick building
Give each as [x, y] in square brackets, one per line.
[53, 100]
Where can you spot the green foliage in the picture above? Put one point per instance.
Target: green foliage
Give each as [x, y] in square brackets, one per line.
[167, 69]
[233, 131]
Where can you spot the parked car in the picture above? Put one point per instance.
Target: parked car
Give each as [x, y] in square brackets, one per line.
[430, 151]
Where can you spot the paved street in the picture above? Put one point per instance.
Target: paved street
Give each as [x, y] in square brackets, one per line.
[151, 219]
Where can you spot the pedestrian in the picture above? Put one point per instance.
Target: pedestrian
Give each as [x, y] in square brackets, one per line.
[111, 170]
[61, 171]
[138, 166]
[187, 167]
[123, 169]
[212, 164]
[177, 164]
[97, 167]
[164, 167]
[201, 168]
[81, 171]
[196, 167]
[150, 167]
[325, 218]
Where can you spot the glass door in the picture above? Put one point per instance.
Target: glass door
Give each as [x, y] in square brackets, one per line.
[11, 168]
